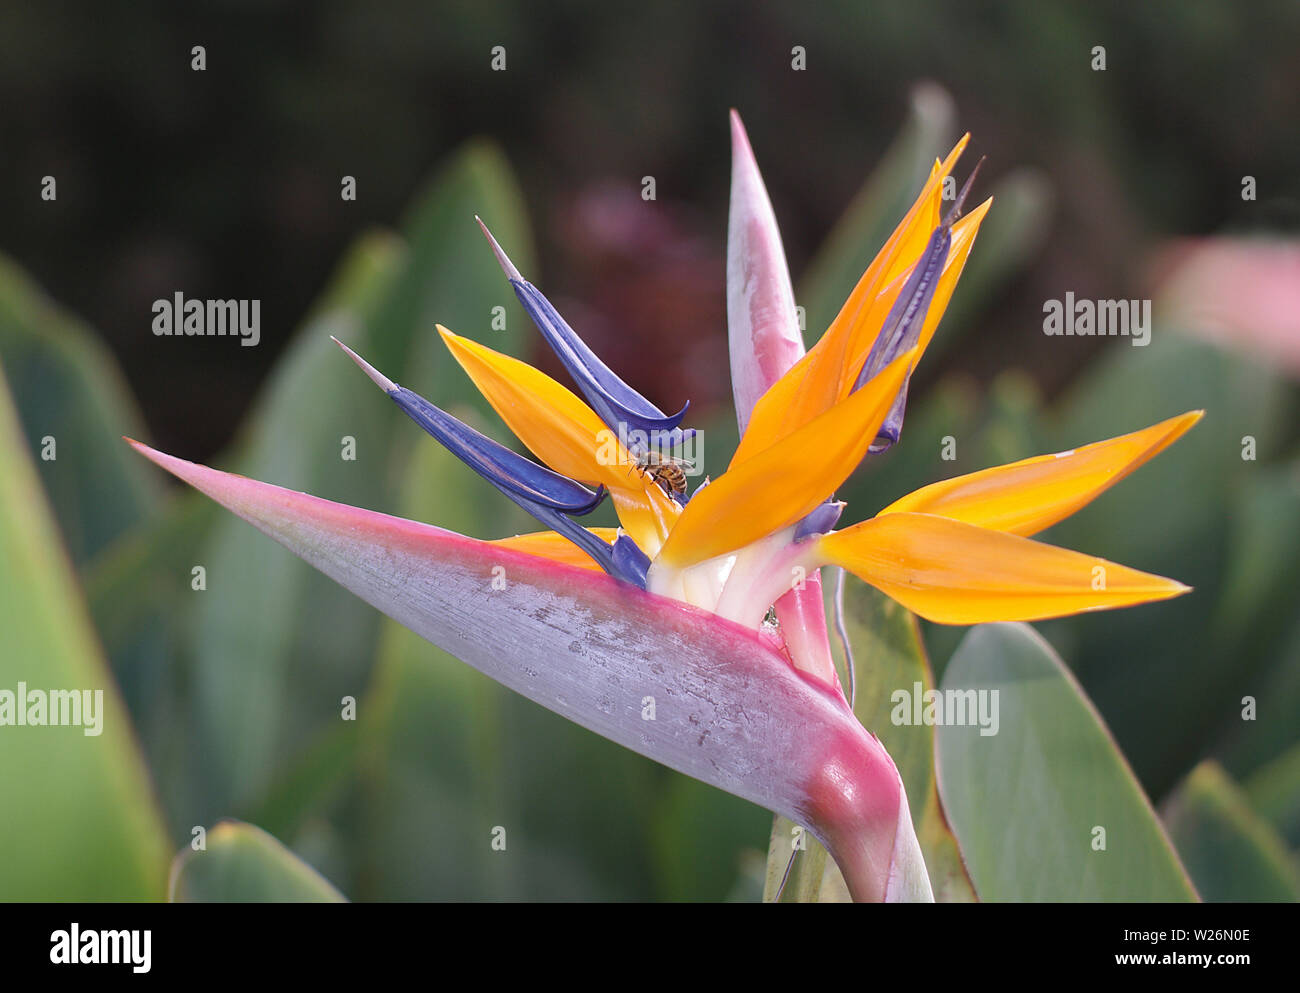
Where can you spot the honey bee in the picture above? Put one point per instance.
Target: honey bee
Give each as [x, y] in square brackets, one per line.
[666, 470]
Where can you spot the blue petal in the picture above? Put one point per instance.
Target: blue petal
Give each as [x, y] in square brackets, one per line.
[622, 560]
[892, 427]
[546, 495]
[508, 471]
[630, 562]
[622, 408]
[902, 328]
[820, 521]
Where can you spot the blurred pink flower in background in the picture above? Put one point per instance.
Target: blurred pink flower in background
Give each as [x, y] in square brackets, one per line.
[1240, 293]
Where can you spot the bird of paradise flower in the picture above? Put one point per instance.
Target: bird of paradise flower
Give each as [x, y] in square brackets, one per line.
[675, 602]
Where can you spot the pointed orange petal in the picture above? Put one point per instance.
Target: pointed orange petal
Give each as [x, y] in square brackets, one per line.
[909, 239]
[955, 573]
[822, 377]
[963, 238]
[1025, 497]
[783, 483]
[858, 317]
[556, 547]
[556, 425]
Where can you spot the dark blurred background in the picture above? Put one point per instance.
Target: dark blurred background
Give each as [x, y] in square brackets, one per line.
[225, 183]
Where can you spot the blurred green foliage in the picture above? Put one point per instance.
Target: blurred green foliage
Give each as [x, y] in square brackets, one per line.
[68, 387]
[1232, 853]
[238, 863]
[79, 820]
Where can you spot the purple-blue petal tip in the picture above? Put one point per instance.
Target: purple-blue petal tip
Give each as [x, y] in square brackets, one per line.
[820, 521]
[628, 562]
[503, 259]
[546, 495]
[617, 404]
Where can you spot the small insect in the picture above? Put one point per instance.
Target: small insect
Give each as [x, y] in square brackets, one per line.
[666, 470]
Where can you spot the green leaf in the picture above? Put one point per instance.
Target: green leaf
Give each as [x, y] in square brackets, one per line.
[68, 388]
[243, 864]
[1230, 851]
[1255, 623]
[877, 208]
[1261, 722]
[949, 878]
[141, 601]
[1274, 791]
[892, 670]
[78, 820]
[1264, 559]
[889, 660]
[1029, 804]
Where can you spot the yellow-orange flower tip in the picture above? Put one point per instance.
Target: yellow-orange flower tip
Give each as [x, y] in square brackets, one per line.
[1027, 496]
[951, 572]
